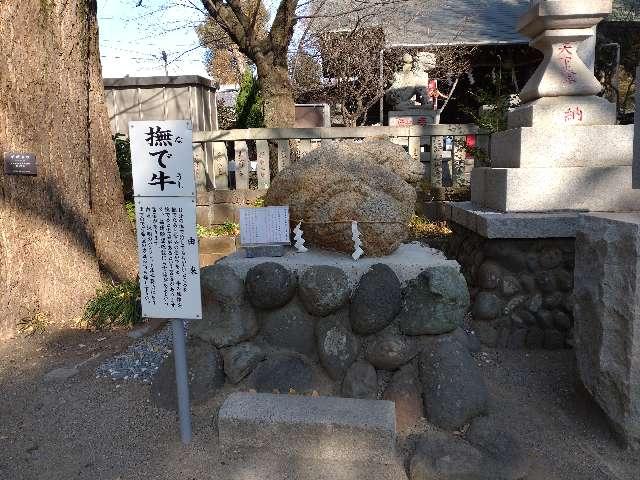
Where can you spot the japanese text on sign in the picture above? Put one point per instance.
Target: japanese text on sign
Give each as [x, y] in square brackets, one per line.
[263, 226]
[164, 158]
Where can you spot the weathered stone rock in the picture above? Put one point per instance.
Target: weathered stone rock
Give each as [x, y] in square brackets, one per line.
[282, 373]
[467, 339]
[445, 457]
[337, 346]
[486, 453]
[487, 334]
[453, 388]
[225, 325]
[535, 303]
[376, 300]
[522, 319]
[486, 306]
[564, 280]
[552, 300]
[206, 376]
[510, 256]
[323, 290]
[553, 339]
[222, 285]
[545, 319]
[403, 391]
[550, 258]
[528, 282]
[509, 286]
[546, 281]
[434, 303]
[561, 320]
[340, 182]
[513, 304]
[489, 275]
[504, 458]
[240, 360]
[361, 381]
[390, 352]
[517, 339]
[607, 317]
[270, 285]
[535, 338]
[290, 328]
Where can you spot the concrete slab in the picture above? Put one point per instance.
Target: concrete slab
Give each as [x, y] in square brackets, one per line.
[571, 146]
[408, 261]
[563, 111]
[493, 224]
[598, 189]
[338, 429]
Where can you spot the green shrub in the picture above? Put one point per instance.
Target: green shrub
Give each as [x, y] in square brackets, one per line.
[249, 103]
[130, 207]
[226, 229]
[114, 305]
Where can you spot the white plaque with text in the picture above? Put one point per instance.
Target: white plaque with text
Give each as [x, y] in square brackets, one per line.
[264, 226]
[168, 257]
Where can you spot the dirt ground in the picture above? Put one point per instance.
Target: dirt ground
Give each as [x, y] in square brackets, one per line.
[88, 428]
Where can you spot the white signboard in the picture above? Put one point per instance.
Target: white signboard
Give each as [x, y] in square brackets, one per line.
[162, 158]
[168, 257]
[264, 226]
[164, 188]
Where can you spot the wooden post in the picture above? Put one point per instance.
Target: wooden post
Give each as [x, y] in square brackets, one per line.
[284, 154]
[264, 174]
[436, 161]
[220, 166]
[242, 165]
[458, 156]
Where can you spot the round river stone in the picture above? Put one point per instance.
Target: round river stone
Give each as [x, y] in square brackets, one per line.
[376, 300]
[323, 290]
[270, 285]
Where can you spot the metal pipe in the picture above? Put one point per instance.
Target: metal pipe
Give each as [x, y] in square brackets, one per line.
[182, 382]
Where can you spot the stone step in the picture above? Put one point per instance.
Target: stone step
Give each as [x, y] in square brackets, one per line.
[337, 429]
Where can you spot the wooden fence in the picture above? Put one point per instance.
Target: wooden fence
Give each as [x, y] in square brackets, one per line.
[423, 143]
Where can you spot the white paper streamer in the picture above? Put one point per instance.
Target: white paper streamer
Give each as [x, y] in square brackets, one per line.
[299, 245]
[357, 243]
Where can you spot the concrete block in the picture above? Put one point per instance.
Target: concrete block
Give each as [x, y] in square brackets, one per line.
[607, 316]
[492, 224]
[408, 261]
[572, 146]
[563, 111]
[310, 427]
[203, 215]
[598, 189]
[261, 251]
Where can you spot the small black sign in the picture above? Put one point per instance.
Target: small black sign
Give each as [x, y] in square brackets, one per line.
[20, 163]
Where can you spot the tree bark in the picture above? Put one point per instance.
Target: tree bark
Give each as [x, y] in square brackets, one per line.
[60, 228]
[277, 95]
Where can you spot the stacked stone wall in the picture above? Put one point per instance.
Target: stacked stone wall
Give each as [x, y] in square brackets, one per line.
[521, 289]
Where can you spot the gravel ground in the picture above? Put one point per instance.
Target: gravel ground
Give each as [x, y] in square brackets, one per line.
[97, 428]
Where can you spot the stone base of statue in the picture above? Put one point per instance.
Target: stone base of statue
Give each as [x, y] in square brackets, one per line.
[411, 117]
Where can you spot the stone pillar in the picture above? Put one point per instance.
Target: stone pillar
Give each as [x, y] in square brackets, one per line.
[556, 155]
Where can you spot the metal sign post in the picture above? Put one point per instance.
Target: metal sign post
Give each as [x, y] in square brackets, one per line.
[164, 190]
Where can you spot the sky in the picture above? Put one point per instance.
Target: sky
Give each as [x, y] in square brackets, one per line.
[133, 37]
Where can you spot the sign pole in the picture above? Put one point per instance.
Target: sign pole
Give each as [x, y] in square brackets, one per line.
[182, 382]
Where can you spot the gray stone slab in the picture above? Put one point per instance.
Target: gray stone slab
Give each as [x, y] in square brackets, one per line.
[572, 146]
[607, 317]
[408, 261]
[493, 224]
[339, 429]
[563, 111]
[258, 251]
[597, 189]
[636, 138]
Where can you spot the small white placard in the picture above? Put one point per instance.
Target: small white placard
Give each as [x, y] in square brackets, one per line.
[264, 226]
[162, 158]
[168, 257]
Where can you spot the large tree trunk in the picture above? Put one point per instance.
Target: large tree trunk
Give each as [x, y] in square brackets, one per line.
[277, 95]
[59, 228]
